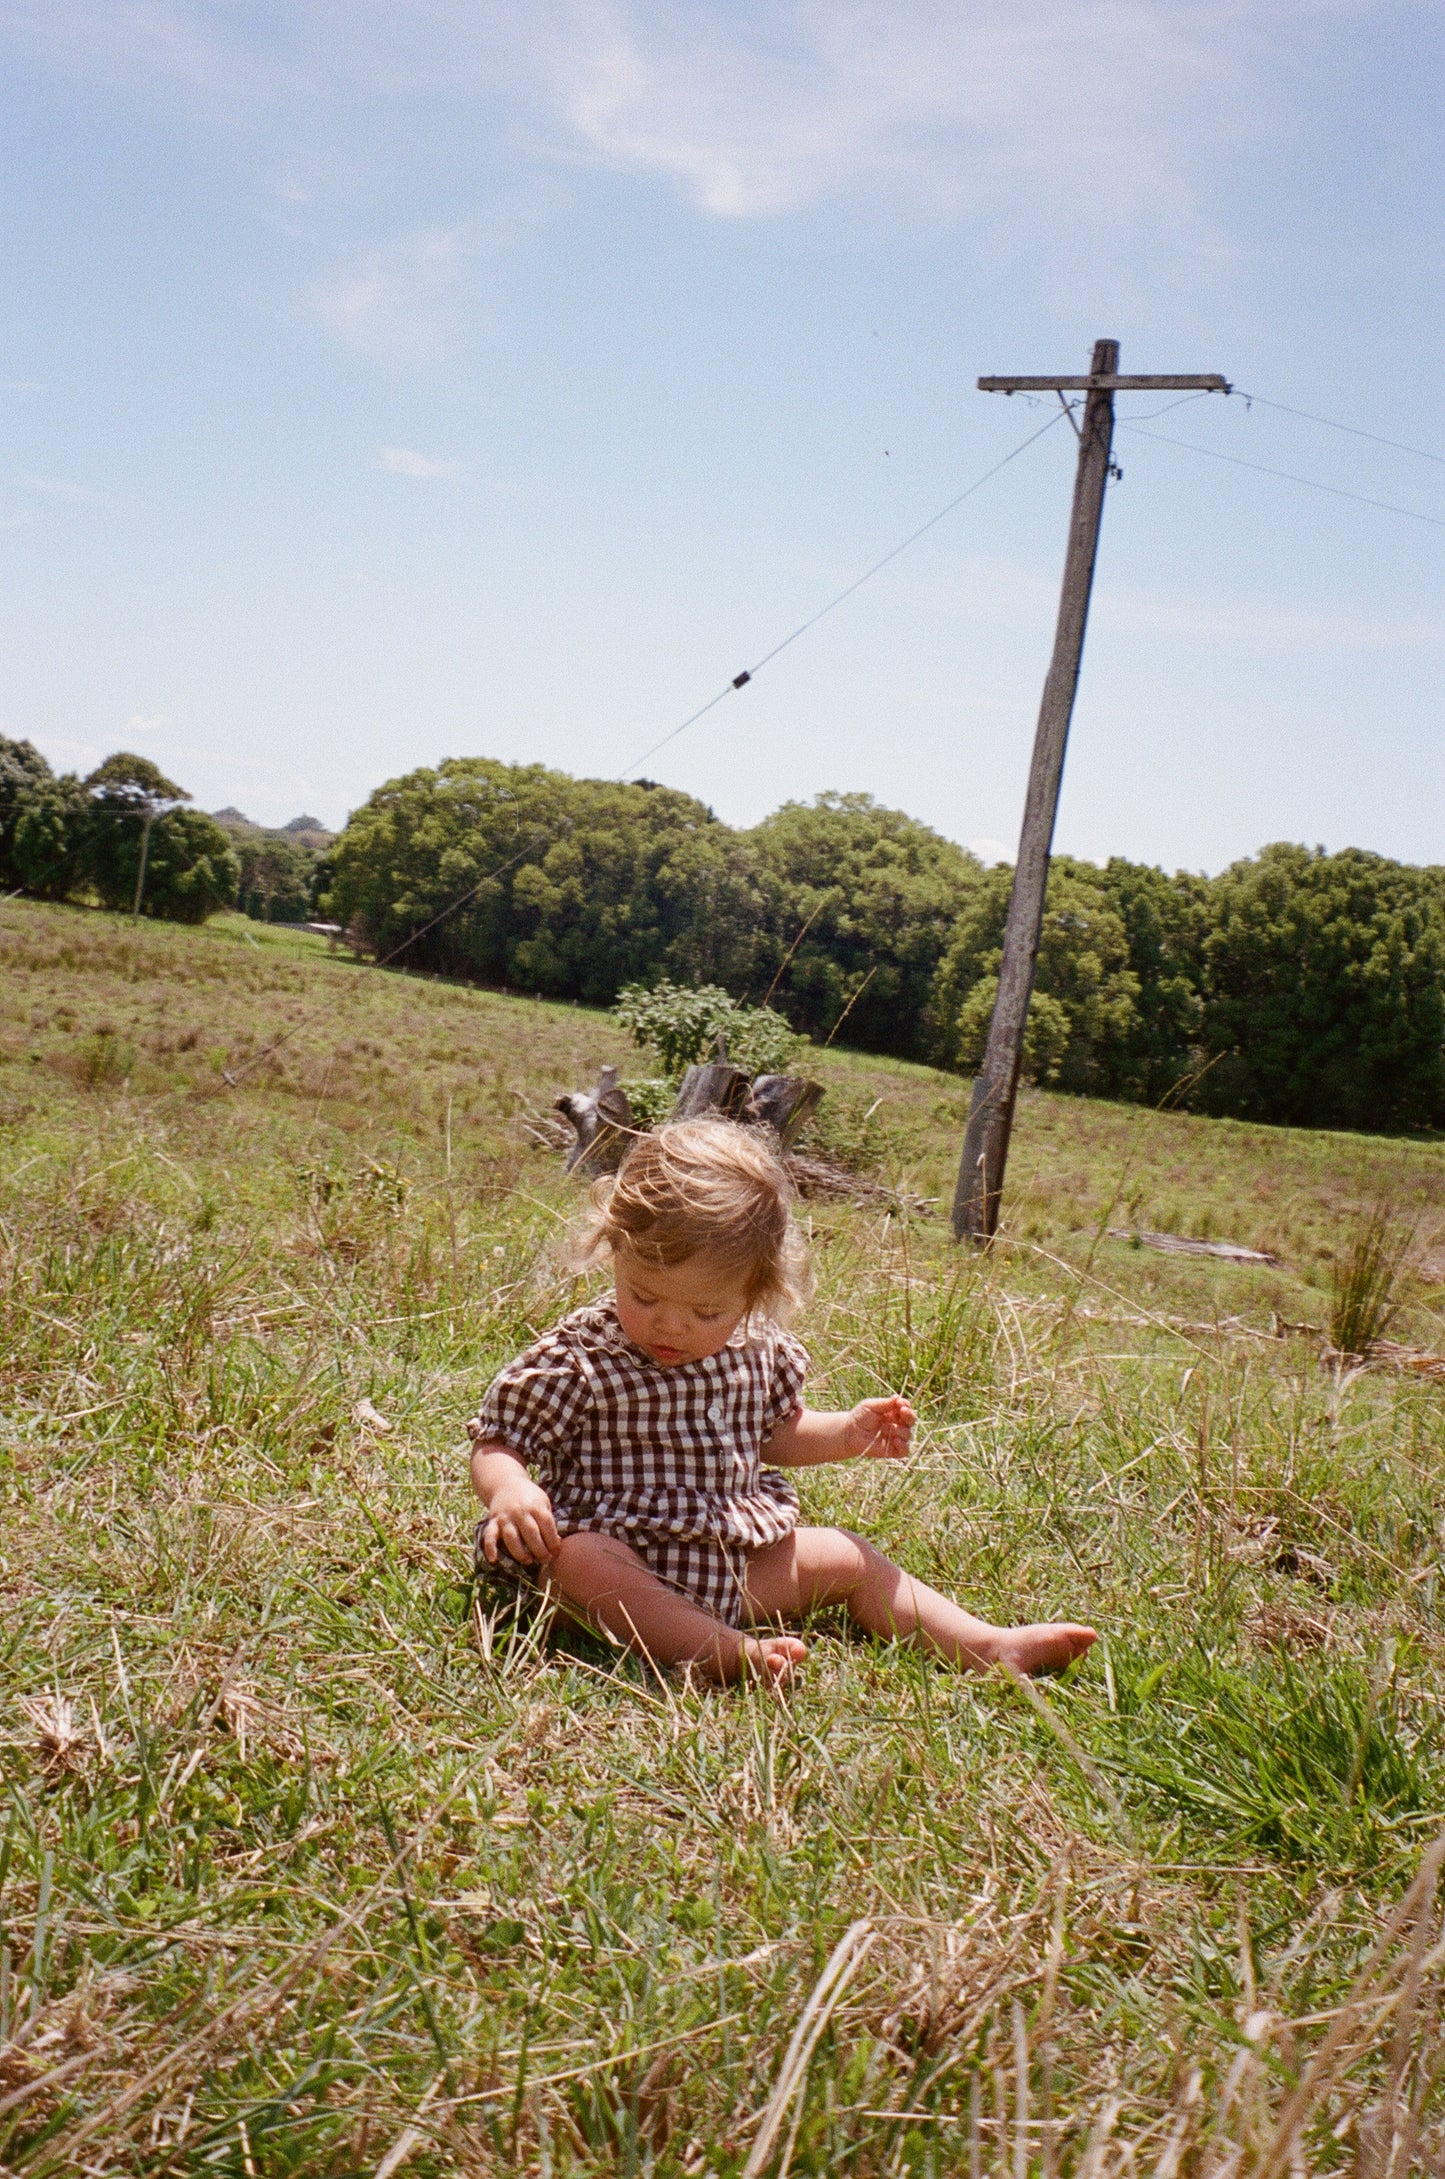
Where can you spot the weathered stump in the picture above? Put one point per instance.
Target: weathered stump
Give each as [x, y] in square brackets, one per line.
[783, 1102]
[603, 1122]
[714, 1086]
[717, 1087]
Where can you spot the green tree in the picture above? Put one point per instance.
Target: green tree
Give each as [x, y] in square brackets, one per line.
[642, 881]
[571, 887]
[146, 851]
[1084, 1010]
[875, 896]
[128, 794]
[23, 772]
[1156, 1054]
[193, 868]
[50, 848]
[1325, 991]
[277, 876]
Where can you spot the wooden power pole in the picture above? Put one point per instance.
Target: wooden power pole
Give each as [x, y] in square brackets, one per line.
[990, 1118]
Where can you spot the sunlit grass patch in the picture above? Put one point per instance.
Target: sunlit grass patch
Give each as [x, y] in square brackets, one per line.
[1320, 1760]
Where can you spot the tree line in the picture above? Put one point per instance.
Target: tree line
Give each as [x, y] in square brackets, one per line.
[1295, 986]
[124, 838]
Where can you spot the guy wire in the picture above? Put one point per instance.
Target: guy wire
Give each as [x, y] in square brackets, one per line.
[233, 1076]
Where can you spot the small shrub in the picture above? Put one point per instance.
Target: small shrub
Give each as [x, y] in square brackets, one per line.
[651, 1098]
[103, 1059]
[681, 1025]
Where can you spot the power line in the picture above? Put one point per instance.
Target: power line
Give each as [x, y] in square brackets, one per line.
[1336, 491]
[1333, 424]
[742, 679]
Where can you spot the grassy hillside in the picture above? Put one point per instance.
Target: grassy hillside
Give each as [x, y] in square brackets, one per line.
[309, 1866]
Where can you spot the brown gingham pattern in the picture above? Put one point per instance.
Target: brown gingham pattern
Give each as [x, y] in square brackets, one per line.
[667, 1459]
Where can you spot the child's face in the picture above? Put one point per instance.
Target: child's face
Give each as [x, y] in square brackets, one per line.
[680, 1313]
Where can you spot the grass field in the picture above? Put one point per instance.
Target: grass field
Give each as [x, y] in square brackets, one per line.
[309, 1866]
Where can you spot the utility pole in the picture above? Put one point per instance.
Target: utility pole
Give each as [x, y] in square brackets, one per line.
[145, 848]
[990, 1119]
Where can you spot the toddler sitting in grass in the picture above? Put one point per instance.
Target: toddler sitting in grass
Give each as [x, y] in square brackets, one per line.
[622, 1457]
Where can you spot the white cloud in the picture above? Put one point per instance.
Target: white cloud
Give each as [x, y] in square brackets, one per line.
[1099, 106]
[989, 850]
[1100, 110]
[141, 722]
[398, 301]
[1093, 133]
[404, 461]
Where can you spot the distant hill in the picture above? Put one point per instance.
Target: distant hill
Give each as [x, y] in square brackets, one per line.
[306, 831]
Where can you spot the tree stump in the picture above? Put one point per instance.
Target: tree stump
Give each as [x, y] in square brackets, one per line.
[783, 1102]
[715, 1086]
[603, 1122]
[605, 1127]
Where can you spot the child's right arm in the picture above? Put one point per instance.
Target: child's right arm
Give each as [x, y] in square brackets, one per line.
[519, 1510]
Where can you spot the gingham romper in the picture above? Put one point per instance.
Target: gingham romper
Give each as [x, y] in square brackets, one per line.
[667, 1459]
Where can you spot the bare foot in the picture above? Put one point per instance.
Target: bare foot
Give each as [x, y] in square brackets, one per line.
[1048, 1646]
[774, 1658]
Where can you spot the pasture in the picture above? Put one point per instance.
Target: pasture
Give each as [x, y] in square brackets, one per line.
[311, 1866]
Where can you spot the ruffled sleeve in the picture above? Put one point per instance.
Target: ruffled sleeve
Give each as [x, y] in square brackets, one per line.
[535, 1405]
[785, 1391]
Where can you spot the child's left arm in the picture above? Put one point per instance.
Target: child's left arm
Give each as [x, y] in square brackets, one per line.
[873, 1430]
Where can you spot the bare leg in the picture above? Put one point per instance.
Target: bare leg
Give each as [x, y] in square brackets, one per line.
[817, 1566]
[601, 1581]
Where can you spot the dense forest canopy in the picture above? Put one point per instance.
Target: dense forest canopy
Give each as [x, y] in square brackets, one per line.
[1295, 986]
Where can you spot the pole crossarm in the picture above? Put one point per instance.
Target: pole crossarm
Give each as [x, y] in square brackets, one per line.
[1113, 382]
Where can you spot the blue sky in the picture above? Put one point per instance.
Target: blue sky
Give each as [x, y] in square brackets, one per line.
[405, 379]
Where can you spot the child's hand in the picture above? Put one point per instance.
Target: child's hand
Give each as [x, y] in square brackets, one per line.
[520, 1522]
[880, 1429]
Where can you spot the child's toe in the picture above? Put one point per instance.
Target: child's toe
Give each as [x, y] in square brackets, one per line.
[1049, 1647]
[776, 1657]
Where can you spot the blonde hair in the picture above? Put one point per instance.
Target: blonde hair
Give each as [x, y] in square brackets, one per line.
[705, 1187]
